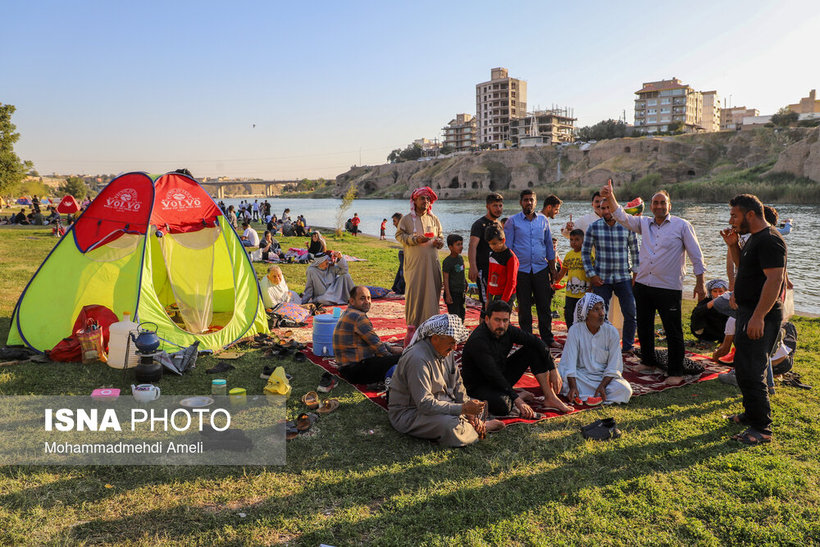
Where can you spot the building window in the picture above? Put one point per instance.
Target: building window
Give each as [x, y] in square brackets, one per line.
[653, 102]
[666, 101]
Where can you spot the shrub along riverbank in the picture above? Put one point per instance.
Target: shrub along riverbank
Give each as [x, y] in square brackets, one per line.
[673, 478]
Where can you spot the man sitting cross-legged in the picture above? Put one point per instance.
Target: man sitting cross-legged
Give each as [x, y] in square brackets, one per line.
[361, 356]
[490, 372]
[427, 396]
[591, 364]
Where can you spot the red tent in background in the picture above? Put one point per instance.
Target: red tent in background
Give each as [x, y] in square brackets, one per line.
[68, 205]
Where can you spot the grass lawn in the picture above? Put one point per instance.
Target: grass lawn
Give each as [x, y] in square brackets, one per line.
[673, 478]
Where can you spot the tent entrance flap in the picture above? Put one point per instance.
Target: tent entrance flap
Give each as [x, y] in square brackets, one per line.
[189, 263]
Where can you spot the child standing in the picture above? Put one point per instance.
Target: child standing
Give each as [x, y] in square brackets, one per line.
[577, 281]
[503, 272]
[382, 229]
[455, 285]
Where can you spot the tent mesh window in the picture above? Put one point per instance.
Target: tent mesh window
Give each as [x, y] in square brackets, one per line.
[192, 287]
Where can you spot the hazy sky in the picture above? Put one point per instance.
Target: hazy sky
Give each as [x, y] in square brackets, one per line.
[106, 87]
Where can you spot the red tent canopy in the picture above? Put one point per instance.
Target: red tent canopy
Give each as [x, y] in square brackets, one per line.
[68, 205]
[132, 202]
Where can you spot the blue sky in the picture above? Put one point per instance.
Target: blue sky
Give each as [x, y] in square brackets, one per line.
[106, 87]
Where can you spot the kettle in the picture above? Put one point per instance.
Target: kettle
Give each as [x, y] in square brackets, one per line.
[146, 340]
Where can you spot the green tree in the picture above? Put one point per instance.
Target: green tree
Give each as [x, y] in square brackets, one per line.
[75, 186]
[347, 201]
[675, 128]
[785, 117]
[446, 149]
[12, 169]
[606, 129]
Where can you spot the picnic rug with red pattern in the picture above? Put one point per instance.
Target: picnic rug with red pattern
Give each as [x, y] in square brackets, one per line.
[387, 317]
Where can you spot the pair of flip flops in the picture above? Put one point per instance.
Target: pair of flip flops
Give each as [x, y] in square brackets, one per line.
[601, 430]
[312, 401]
[793, 379]
[302, 425]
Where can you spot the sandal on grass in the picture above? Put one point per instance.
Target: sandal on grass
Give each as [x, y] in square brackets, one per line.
[752, 437]
[311, 400]
[328, 406]
[304, 421]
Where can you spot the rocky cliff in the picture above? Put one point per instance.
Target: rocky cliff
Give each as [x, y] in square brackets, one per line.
[676, 159]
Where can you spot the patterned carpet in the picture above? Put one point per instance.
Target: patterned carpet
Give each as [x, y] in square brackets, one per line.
[387, 316]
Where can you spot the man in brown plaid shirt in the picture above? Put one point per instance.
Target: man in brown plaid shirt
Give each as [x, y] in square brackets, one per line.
[361, 356]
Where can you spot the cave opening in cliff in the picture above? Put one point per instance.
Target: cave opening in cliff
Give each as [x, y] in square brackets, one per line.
[454, 182]
[627, 150]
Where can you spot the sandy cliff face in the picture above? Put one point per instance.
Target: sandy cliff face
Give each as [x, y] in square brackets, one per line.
[802, 158]
[676, 159]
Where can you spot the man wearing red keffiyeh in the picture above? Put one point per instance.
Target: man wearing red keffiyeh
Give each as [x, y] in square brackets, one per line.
[421, 235]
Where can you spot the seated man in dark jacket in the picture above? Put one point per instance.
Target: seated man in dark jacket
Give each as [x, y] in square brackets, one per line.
[489, 374]
[707, 323]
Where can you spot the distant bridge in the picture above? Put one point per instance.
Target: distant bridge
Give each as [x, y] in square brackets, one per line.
[227, 188]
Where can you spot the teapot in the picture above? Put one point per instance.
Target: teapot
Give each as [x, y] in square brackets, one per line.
[146, 340]
[145, 393]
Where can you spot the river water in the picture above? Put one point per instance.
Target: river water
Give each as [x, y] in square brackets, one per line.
[457, 216]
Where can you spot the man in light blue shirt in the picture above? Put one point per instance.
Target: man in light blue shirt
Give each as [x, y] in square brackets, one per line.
[530, 239]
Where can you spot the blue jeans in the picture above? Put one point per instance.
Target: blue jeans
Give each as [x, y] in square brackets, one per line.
[623, 290]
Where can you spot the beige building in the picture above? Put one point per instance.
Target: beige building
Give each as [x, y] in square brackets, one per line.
[460, 133]
[496, 102]
[428, 147]
[543, 127]
[660, 103]
[731, 119]
[711, 111]
[807, 105]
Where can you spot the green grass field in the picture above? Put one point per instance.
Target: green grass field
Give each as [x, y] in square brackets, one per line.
[674, 478]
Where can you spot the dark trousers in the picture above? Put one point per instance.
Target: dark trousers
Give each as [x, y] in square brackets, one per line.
[368, 371]
[667, 303]
[752, 365]
[623, 290]
[481, 283]
[535, 287]
[457, 307]
[499, 402]
[569, 310]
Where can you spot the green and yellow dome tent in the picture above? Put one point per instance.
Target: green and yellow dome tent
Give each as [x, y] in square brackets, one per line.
[155, 246]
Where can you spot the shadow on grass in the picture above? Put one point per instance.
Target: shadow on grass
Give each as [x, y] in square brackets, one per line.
[497, 490]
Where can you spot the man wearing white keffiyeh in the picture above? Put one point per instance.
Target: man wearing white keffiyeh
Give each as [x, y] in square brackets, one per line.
[427, 397]
[591, 364]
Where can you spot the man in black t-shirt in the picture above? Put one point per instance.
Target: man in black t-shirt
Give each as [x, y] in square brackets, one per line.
[478, 251]
[761, 269]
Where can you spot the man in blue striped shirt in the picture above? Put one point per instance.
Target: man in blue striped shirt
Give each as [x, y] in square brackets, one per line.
[528, 235]
[611, 271]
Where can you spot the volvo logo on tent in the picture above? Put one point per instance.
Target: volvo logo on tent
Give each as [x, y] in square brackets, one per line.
[179, 198]
[124, 201]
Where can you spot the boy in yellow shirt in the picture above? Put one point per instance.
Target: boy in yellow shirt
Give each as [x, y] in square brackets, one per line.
[577, 281]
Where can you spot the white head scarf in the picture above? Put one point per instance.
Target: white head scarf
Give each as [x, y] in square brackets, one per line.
[443, 325]
[717, 284]
[586, 303]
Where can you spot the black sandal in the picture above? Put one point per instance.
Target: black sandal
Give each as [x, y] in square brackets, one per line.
[752, 437]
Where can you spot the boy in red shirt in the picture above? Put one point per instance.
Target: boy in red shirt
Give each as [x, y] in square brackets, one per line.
[355, 221]
[382, 229]
[503, 272]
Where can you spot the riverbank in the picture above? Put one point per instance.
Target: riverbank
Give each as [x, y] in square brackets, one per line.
[779, 165]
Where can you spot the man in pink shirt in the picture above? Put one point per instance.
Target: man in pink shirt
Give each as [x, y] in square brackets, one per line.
[665, 241]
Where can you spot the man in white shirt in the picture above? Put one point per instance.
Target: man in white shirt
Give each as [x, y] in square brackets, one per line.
[584, 222]
[665, 241]
[250, 237]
